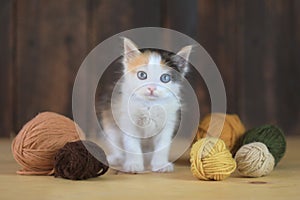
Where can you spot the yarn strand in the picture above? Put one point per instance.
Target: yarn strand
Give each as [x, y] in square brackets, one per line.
[210, 160]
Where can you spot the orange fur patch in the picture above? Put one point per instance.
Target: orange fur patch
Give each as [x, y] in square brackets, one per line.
[138, 61]
[141, 60]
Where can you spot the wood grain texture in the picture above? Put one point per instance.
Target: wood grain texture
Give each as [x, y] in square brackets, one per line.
[282, 183]
[268, 95]
[51, 45]
[255, 44]
[217, 33]
[182, 16]
[289, 70]
[6, 68]
[109, 17]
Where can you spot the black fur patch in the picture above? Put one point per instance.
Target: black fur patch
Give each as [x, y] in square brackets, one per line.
[175, 62]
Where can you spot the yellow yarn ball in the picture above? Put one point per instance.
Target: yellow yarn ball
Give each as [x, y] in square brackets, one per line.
[211, 160]
[231, 130]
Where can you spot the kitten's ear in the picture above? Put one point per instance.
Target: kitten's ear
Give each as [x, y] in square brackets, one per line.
[130, 49]
[182, 64]
[185, 52]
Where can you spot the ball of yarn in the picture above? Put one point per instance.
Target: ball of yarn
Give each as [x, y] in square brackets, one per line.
[80, 160]
[211, 160]
[271, 136]
[231, 130]
[38, 141]
[254, 160]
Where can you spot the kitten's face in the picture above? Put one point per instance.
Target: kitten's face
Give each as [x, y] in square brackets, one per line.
[148, 74]
[149, 78]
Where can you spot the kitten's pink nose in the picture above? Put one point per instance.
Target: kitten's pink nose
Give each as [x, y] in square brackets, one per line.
[151, 89]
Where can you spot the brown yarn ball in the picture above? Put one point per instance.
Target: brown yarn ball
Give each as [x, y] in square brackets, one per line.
[38, 141]
[231, 131]
[75, 161]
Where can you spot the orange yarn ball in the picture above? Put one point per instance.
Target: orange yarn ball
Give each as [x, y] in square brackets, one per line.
[36, 144]
[231, 130]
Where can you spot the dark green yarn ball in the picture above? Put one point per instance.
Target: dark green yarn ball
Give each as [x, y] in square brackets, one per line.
[271, 136]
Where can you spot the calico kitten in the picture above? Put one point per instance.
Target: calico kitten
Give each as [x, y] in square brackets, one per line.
[143, 115]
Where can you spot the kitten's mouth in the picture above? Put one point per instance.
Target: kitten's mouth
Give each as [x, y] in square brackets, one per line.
[151, 96]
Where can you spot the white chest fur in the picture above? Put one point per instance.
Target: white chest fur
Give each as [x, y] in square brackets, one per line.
[146, 119]
[150, 120]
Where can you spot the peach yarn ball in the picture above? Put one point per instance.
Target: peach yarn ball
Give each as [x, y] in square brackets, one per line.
[36, 144]
[231, 133]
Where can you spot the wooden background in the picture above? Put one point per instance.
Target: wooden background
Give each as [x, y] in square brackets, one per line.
[255, 44]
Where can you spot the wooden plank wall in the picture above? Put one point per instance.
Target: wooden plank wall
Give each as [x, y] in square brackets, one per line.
[51, 44]
[255, 44]
[270, 90]
[6, 67]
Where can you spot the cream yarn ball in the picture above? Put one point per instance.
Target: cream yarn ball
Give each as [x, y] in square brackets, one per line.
[254, 160]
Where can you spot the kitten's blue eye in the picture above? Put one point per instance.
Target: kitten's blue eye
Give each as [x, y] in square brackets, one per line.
[142, 75]
[165, 78]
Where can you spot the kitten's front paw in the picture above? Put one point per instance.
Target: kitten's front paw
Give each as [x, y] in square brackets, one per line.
[169, 167]
[133, 167]
[114, 160]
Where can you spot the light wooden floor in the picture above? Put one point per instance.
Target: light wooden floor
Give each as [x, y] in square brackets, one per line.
[283, 183]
